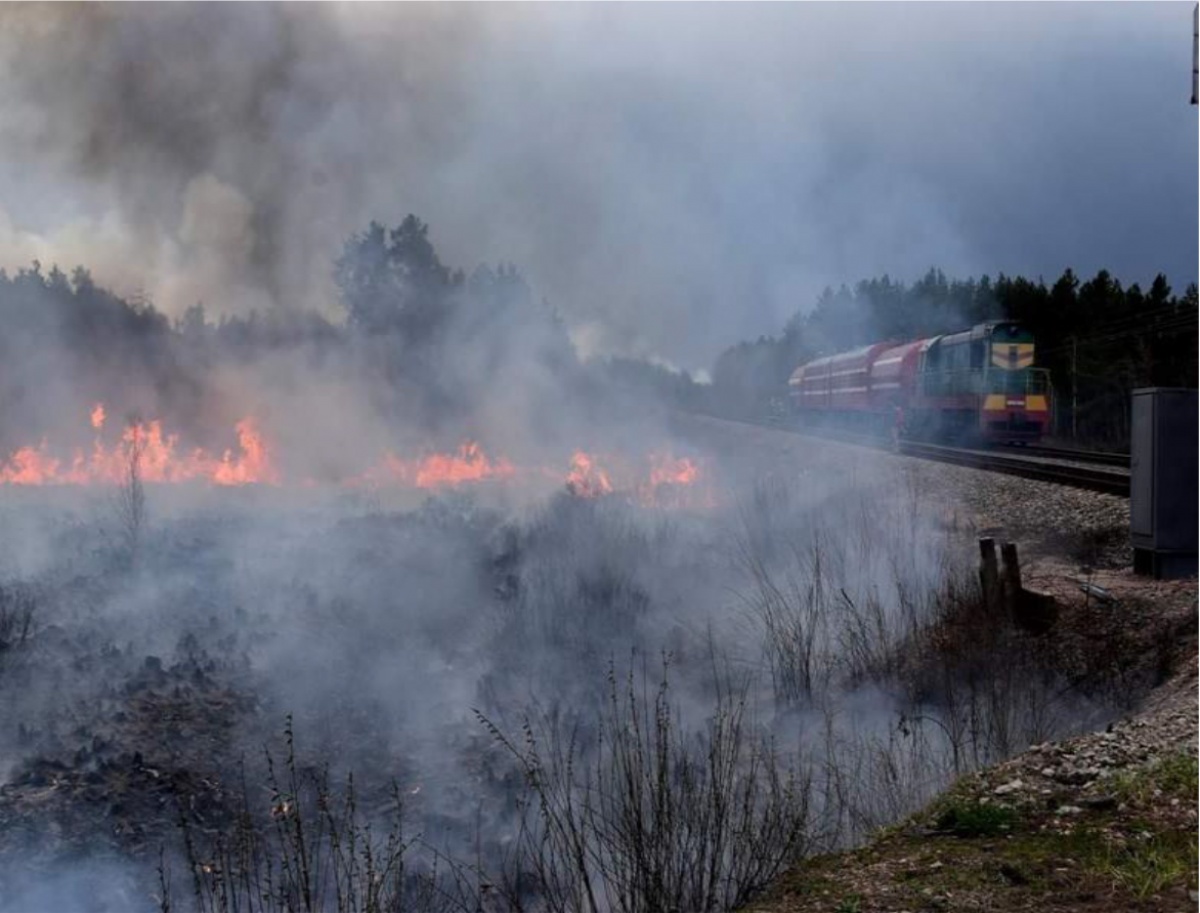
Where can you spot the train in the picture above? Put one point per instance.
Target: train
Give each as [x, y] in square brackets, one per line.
[978, 386]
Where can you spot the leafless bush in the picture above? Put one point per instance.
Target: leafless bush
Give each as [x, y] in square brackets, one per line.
[871, 776]
[131, 498]
[17, 605]
[313, 850]
[834, 603]
[870, 620]
[650, 817]
[791, 610]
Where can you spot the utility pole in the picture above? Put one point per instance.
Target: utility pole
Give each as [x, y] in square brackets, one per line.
[1074, 392]
[1195, 51]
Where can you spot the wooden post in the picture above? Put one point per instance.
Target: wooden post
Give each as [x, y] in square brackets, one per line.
[1011, 563]
[1036, 613]
[989, 573]
[1011, 576]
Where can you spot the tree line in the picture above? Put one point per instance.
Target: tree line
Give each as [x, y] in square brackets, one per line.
[425, 343]
[428, 342]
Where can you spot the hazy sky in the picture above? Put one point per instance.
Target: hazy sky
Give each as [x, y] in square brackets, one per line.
[671, 177]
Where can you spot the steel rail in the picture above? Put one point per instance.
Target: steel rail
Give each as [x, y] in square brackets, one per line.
[1067, 453]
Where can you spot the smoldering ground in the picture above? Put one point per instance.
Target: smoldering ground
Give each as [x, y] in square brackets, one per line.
[155, 672]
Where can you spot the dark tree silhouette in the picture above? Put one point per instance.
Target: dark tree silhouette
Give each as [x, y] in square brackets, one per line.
[393, 282]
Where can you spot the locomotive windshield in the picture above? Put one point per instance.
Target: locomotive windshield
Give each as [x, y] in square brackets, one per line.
[1025, 380]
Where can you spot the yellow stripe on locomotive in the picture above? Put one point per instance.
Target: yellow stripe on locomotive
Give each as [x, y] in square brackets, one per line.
[1012, 356]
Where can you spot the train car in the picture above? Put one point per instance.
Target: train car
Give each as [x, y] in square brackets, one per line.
[837, 389]
[977, 386]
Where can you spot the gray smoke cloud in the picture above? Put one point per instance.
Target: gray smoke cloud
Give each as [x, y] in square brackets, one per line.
[671, 178]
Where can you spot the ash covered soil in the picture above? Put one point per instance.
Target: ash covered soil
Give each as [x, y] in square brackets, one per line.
[146, 691]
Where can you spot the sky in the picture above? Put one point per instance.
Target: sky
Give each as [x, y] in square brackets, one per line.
[672, 178]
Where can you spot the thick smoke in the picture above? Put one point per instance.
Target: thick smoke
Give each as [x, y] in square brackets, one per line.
[229, 146]
[652, 170]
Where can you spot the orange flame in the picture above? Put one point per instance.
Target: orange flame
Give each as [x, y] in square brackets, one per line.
[667, 481]
[665, 470]
[154, 454]
[675, 483]
[441, 470]
[468, 465]
[29, 466]
[586, 479]
[252, 465]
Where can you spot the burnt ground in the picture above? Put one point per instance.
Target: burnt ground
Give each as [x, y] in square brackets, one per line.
[100, 798]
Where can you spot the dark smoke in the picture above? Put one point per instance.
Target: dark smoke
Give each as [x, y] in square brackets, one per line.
[244, 136]
[653, 170]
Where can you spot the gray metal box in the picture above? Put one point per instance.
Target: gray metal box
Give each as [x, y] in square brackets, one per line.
[1162, 485]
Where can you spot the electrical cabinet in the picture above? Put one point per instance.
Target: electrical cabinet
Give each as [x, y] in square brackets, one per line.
[1162, 486]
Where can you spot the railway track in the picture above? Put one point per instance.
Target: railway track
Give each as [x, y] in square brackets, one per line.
[1057, 468]
[1079, 456]
[1102, 472]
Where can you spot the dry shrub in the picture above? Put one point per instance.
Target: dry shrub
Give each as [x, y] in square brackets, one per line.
[311, 849]
[647, 816]
[18, 603]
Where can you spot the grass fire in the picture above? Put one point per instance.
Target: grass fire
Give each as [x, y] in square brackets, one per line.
[356, 563]
[157, 457]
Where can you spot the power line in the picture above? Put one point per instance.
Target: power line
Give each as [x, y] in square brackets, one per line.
[1168, 327]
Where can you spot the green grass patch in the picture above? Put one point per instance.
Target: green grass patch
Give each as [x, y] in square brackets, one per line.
[1146, 867]
[1175, 776]
[850, 904]
[1179, 775]
[1140, 865]
[1135, 855]
[967, 819]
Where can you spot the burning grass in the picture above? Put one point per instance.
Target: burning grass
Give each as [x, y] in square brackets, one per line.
[654, 479]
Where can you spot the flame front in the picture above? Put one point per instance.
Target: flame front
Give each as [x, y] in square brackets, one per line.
[29, 466]
[675, 482]
[157, 457]
[440, 470]
[143, 448]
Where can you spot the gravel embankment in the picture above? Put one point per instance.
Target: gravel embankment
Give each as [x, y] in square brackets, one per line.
[1088, 528]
